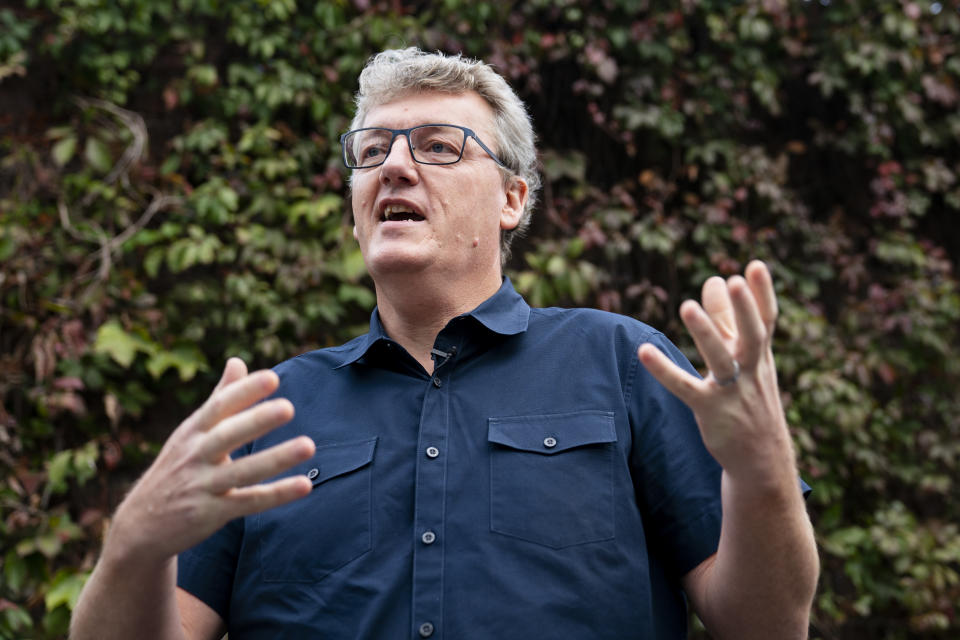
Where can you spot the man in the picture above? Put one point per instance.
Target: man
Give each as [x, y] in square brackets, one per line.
[471, 468]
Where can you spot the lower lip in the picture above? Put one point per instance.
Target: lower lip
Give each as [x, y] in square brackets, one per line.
[399, 224]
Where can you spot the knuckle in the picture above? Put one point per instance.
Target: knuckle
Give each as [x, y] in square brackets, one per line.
[219, 481]
[194, 515]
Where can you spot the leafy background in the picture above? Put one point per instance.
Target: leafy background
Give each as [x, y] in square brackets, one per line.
[171, 195]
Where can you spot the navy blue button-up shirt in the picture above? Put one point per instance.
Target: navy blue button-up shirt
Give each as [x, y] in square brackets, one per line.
[539, 484]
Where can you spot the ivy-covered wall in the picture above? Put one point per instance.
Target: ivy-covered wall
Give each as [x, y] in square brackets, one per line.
[171, 194]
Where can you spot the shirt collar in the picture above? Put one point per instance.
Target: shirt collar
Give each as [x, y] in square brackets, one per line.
[505, 312]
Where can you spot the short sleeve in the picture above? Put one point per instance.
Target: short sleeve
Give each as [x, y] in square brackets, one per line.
[207, 570]
[677, 481]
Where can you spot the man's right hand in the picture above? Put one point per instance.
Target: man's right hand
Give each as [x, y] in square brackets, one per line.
[193, 487]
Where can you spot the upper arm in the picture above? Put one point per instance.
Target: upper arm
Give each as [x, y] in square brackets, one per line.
[200, 622]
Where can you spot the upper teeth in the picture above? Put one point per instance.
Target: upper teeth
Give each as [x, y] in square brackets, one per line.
[392, 209]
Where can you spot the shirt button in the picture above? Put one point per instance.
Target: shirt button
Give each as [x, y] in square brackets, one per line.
[428, 537]
[549, 442]
[426, 630]
[437, 382]
[313, 473]
[432, 452]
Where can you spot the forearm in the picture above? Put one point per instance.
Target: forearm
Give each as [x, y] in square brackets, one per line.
[763, 578]
[761, 581]
[128, 597]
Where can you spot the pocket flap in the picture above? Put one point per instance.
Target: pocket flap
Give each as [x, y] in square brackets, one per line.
[553, 433]
[331, 460]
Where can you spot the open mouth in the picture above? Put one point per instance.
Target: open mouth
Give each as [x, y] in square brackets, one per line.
[398, 213]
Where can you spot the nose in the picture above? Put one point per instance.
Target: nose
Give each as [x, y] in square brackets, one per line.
[399, 166]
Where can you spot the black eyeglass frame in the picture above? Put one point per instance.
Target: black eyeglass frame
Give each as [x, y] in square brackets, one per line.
[467, 133]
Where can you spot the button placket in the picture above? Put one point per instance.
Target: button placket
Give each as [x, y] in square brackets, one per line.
[430, 491]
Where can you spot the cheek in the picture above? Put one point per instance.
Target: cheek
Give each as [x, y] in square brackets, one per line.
[359, 198]
[483, 197]
[361, 187]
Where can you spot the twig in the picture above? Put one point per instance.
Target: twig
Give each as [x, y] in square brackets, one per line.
[108, 246]
[137, 127]
[135, 123]
[160, 202]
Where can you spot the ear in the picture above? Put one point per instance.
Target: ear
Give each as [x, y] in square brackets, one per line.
[355, 237]
[516, 198]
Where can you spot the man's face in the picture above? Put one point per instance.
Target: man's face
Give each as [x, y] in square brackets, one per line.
[447, 218]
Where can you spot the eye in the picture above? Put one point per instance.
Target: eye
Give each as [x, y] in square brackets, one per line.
[439, 145]
[372, 151]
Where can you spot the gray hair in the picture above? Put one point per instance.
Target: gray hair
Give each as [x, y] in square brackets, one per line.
[393, 73]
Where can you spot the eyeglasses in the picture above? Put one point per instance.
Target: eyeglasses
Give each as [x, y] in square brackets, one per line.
[429, 144]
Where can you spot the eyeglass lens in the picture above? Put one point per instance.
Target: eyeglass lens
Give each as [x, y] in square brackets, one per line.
[433, 144]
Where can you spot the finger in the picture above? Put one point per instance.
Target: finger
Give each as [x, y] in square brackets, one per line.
[761, 284]
[753, 332]
[234, 397]
[677, 381]
[709, 342]
[259, 466]
[260, 497]
[233, 370]
[237, 430]
[716, 302]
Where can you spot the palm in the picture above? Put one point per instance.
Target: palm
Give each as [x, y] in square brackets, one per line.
[737, 403]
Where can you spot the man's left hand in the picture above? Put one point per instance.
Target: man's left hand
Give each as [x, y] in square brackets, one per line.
[737, 404]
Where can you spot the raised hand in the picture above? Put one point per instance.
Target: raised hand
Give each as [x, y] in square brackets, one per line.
[193, 487]
[737, 404]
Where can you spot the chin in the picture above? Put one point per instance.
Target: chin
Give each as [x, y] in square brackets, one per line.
[386, 263]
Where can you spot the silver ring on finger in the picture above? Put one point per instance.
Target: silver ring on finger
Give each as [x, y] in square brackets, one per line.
[733, 377]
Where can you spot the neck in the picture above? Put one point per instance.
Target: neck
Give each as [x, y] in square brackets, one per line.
[413, 312]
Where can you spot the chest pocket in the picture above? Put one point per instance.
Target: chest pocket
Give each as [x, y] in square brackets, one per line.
[307, 539]
[551, 477]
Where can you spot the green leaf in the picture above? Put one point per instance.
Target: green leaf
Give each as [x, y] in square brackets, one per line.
[186, 359]
[313, 211]
[63, 151]
[14, 571]
[65, 589]
[353, 265]
[57, 133]
[121, 346]
[556, 265]
[16, 618]
[153, 261]
[355, 293]
[85, 462]
[205, 75]
[58, 469]
[25, 547]
[228, 198]
[98, 155]
[8, 245]
[49, 544]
